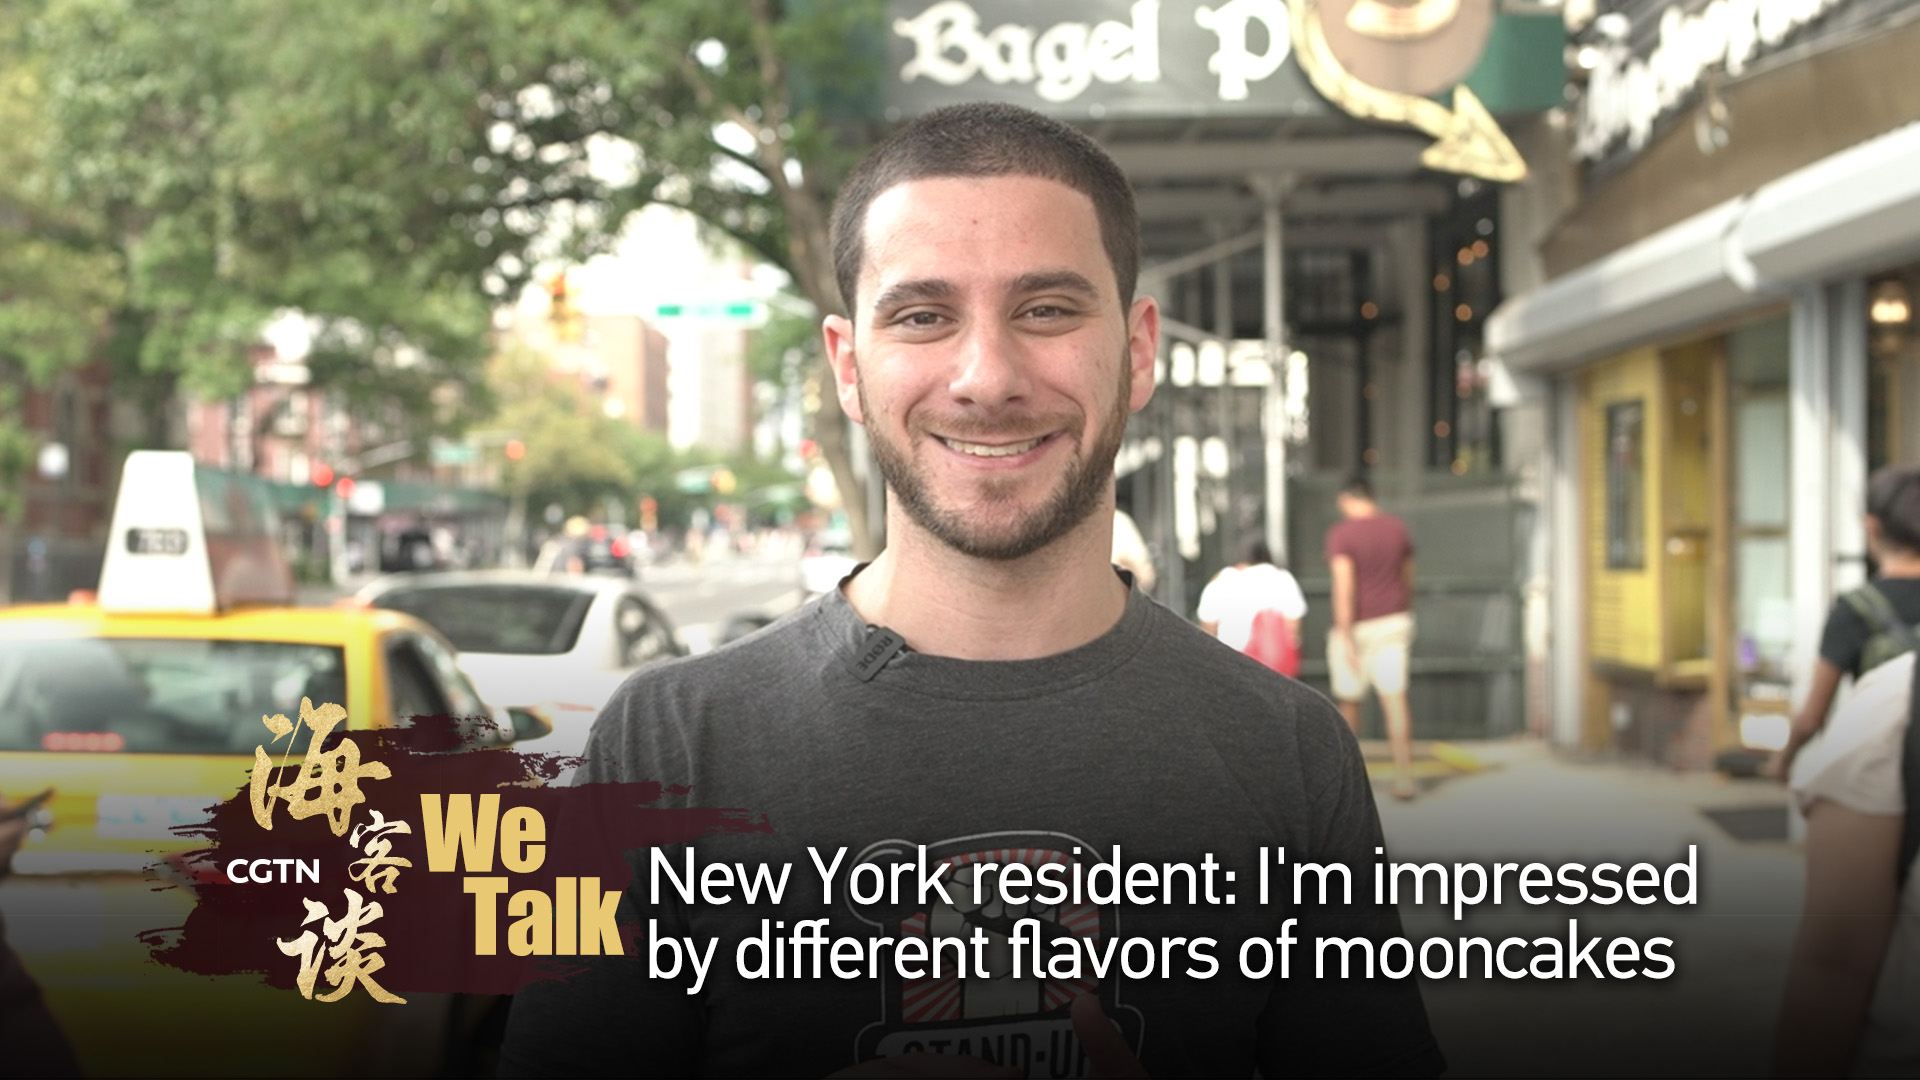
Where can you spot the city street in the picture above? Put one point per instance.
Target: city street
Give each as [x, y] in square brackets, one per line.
[700, 599]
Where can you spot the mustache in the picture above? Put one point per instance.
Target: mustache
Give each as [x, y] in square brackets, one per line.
[1007, 428]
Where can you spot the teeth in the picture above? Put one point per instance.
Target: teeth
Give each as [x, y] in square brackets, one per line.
[980, 450]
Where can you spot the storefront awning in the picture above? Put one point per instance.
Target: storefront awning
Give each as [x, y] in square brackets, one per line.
[1848, 212]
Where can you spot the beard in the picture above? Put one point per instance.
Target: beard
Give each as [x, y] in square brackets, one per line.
[972, 532]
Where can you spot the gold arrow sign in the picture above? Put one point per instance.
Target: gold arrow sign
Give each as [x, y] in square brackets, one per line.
[1468, 140]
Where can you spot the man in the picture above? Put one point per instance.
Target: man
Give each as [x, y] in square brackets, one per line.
[988, 697]
[1371, 555]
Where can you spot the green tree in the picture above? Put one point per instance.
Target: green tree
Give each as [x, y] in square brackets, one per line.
[656, 464]
[220, 196]
[574, 456]
[399, 170]
[791, 82]
[57, 291]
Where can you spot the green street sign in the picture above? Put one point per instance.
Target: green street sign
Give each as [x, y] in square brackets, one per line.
[453, 453]
[705, 480]
[695, 481]
[728, 311]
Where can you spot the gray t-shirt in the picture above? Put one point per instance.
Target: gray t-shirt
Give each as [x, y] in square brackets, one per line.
[1154, 737]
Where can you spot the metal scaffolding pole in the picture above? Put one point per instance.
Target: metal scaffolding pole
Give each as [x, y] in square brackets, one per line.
[1272, 190]
[1229, 524]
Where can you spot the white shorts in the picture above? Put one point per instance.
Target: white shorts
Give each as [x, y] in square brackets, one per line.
[1380, 648]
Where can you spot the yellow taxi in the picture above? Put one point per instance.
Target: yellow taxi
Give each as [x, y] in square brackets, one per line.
[140, 710]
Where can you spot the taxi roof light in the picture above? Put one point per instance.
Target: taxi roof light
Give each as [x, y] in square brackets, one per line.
[188, 539]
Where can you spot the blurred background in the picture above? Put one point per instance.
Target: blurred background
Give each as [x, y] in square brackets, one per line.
[1611, 301]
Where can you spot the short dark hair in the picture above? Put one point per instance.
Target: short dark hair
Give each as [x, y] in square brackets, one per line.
[1257, 552]
[981, 140]
[1893, 497]
[1358, 486]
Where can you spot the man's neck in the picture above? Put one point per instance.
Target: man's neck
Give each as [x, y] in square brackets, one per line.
[945, 603]
[1897, 563]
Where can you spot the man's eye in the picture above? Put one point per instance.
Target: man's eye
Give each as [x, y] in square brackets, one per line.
[919, 320]
[1048, 311]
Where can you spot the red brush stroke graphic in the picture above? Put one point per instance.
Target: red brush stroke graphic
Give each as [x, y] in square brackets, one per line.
[428, 923]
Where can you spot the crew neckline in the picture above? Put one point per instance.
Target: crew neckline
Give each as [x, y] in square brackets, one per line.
[947, 677]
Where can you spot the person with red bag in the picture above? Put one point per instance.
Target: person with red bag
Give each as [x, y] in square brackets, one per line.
[1256, 607]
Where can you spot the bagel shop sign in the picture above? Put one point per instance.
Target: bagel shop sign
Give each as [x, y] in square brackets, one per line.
[1442, 67]
[1116, 59]
[1098, 58]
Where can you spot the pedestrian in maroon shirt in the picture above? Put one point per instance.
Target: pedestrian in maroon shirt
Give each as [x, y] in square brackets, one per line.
[1371, 554]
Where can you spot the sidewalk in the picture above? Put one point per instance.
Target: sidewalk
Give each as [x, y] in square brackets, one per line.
[1516, 801]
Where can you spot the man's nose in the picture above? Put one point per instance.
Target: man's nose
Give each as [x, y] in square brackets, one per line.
[990, 367]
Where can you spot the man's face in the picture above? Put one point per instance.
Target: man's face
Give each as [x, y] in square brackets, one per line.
[991, 360]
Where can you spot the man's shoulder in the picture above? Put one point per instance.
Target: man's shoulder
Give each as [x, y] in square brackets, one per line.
[1193, 666]
[664, 709]
[764, 660]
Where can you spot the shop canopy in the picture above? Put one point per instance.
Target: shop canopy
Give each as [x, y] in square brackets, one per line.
[1849, 212]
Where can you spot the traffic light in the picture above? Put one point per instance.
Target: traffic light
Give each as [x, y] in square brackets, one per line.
[516, 449]
[344, 487]
[560, 308]
[649, 513]
[723, 481]
[322, 476]
[808, 448]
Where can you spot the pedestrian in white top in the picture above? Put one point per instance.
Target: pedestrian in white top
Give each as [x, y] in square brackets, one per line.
[1239, 592]
[1853, 990]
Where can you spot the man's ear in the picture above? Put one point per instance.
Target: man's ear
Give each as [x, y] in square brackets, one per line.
[1143, 346]
[837, 332]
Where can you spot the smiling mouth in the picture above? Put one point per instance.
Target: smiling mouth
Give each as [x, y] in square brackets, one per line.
[987, 450]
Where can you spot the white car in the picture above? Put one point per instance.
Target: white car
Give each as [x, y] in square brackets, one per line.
[560, 644]
[828, 558]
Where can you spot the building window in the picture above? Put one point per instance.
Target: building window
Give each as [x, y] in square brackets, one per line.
[1626, 486]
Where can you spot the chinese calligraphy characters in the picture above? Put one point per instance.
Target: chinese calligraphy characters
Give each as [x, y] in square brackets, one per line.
[328, 781]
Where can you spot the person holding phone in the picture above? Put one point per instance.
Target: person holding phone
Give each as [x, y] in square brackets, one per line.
[35, 1045]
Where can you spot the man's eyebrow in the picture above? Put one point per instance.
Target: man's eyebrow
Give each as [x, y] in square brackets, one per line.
[1056, 281]
[908, 292]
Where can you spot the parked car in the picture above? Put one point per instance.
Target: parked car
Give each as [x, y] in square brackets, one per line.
[828, 559]
[598, 549]
[558, 643]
